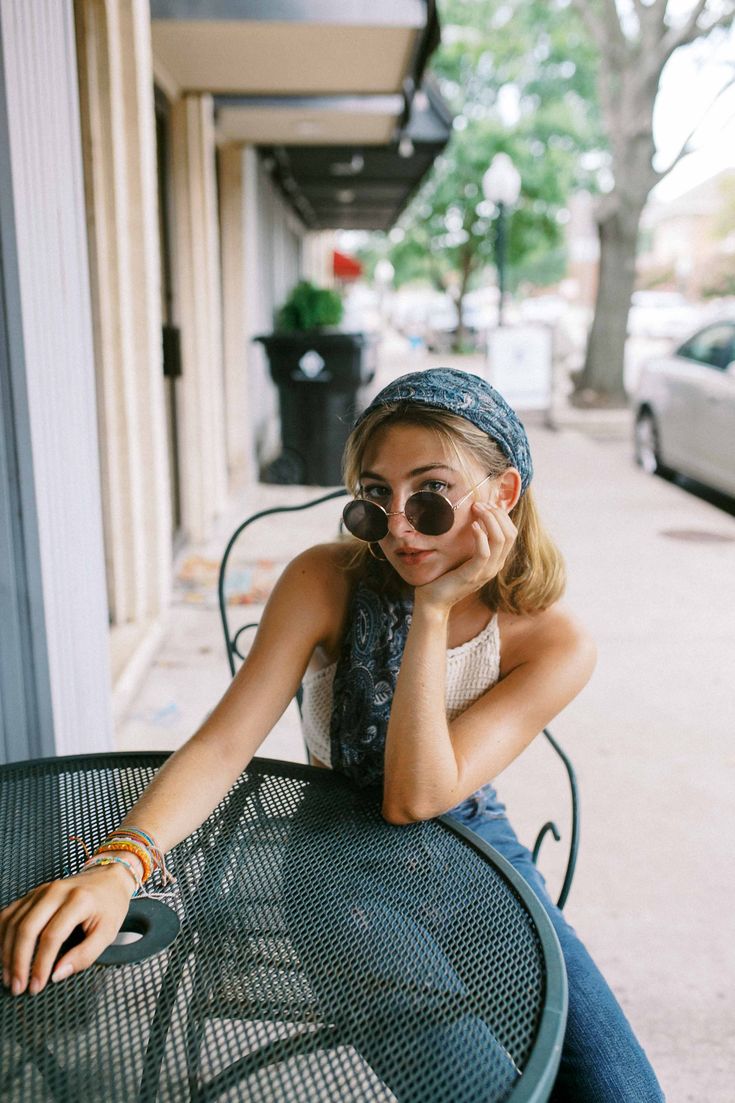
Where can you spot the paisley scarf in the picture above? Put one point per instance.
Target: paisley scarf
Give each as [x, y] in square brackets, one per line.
[365, 679]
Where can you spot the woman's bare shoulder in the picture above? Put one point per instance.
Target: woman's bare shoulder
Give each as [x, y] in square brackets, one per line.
[556, 629]
[321, 580]
[332, 563]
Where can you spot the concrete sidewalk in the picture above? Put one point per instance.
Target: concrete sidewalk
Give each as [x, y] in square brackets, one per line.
[651, 575]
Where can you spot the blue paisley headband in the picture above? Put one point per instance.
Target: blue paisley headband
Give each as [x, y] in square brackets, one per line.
[467, 396]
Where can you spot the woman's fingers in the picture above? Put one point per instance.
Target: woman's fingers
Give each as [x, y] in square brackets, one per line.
[494, 535]
[12, 919]
[98, 934]
[9, 917]
[97, 939]
[499, 530]
[36, 927]
[25, 928]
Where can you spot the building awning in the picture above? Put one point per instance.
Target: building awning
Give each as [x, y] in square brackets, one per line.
[331, 90]
[345, 267]
[362, 187]
[293, 72]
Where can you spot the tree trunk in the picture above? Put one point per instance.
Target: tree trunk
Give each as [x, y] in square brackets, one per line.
[458, 344]
[600, 382]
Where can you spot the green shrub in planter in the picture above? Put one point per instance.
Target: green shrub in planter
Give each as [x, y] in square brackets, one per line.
[309, 307]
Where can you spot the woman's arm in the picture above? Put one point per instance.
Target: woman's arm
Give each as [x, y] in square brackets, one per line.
[430, 765]
[302, 612]
[298, 616]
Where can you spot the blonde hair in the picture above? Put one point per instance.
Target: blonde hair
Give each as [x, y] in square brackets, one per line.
[534, 575]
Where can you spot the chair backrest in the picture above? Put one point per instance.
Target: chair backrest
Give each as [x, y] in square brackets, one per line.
[232, 641]
[232, 637]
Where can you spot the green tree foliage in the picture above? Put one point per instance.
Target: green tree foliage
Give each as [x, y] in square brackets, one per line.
[520, 77]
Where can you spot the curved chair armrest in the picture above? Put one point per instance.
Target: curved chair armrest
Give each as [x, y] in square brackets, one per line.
[550, 826]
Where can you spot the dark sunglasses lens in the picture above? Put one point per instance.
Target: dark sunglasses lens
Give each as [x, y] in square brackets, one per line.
[365, 520]
[429, 513]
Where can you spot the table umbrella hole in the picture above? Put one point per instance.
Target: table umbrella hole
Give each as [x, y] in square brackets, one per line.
[149, 928]
[125, 938]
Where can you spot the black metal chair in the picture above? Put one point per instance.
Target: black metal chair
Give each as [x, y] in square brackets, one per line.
[235, 654]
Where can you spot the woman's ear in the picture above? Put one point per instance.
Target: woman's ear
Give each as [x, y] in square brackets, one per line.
[508, 489]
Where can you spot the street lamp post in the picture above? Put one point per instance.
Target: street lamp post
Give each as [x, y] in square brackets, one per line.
[384, 273]
[501, 185]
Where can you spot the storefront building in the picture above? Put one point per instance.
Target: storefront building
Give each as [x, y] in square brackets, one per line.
[168, 171]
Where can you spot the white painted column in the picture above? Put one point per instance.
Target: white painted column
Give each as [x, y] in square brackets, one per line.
[198, 297]
[318, 247]
[52, 348]
[240, 455]
[116, 83]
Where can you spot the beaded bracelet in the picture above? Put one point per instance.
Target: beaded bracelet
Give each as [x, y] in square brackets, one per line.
[102, 861]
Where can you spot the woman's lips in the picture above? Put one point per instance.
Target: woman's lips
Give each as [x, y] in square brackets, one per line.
[412, 558]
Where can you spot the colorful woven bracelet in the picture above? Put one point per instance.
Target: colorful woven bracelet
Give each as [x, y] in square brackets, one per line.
[101, 861]
[157, 856]
[132, 839]
[137, 831]
[144, 840]
[134, 847]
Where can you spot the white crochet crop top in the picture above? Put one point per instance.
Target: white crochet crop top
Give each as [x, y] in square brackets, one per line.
[472, 668]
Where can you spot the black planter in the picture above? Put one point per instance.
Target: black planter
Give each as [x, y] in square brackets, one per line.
[320, 377]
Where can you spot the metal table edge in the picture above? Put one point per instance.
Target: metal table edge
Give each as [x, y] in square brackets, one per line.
[152, 757]
[537, 1079]
[157, 758]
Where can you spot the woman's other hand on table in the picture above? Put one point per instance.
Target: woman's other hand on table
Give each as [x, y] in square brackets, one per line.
[34, 928]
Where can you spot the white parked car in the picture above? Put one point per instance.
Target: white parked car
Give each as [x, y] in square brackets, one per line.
[685, 409]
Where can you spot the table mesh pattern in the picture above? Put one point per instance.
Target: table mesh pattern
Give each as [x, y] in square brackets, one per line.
[323, 953]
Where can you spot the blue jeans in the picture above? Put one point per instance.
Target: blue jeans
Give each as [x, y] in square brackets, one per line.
[601, 1061]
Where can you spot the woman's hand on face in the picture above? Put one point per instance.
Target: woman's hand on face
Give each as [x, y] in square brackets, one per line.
[33, 928]
[494, 534]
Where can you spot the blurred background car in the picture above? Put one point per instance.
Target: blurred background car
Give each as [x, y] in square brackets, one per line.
[661, 314]
[684, 409]
[546, 309]
[479, 314]
[441, 324]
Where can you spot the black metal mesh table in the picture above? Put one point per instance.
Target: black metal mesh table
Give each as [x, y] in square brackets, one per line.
[322, 953]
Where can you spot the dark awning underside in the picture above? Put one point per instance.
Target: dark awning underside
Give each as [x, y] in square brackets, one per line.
[362, 187]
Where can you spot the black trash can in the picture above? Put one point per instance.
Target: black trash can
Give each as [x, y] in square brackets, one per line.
[320, 379]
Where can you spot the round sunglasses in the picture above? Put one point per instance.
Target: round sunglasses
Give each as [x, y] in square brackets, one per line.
[426, 511]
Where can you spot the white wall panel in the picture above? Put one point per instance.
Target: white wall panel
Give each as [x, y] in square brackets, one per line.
[37, 41]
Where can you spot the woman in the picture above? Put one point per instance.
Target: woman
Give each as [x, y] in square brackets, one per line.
[406, 685]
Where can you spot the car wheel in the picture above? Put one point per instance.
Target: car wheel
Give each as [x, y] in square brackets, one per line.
[647, 453]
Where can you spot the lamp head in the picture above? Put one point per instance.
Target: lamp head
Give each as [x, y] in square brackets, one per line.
[502, 181]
